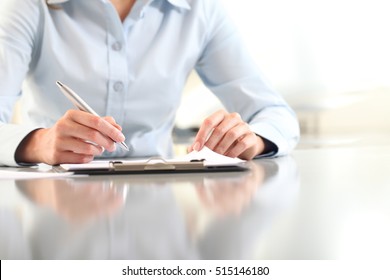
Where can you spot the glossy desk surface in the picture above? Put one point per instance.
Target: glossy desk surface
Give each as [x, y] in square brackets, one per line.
[315, 204]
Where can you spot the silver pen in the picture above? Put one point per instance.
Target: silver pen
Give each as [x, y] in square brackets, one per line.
[82, 105]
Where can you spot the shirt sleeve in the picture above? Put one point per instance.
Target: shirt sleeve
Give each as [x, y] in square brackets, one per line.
[229, 72]
[19, 25]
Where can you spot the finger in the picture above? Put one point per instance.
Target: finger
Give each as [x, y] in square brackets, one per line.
[230, 138]
[112, 121]
[68, 157]
[74, 130]
[79, 146]
[96, 123]
[95, 138]
[219, 133]
[244, 145]
[256, 147]
[206, 128]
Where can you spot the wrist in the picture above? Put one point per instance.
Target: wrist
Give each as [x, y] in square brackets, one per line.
[260, 147]
[28, 149]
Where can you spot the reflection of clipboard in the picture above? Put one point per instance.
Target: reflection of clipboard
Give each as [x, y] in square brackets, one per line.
[151, 166]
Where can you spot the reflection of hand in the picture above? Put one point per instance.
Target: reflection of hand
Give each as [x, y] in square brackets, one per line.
[231, 195]
[229, 135]
[77, 201]
[75, 138]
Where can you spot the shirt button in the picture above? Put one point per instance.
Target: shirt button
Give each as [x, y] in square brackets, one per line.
[118, 86]
[117, 46]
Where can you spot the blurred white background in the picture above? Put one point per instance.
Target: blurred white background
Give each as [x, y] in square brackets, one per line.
[329, 59]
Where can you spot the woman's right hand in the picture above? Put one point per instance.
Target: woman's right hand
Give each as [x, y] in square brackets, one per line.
[77, 137]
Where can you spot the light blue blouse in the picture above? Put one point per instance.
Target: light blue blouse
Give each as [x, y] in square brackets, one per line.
[133, 70]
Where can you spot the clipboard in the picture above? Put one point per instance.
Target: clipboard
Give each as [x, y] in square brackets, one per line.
[152, 166]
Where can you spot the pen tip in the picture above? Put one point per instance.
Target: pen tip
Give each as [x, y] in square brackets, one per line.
[124, 146]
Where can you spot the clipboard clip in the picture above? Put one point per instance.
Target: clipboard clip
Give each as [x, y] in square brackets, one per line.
[156, 164]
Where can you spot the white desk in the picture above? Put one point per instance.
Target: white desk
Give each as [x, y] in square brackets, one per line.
[316, 204]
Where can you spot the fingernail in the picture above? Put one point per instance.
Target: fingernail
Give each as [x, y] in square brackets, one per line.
[196, 146]
[122, 137]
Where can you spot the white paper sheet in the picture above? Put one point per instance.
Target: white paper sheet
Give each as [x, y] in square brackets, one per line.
[210, 157]
[18, 175]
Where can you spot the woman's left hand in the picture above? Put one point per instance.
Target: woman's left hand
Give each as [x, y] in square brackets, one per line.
[227, 134]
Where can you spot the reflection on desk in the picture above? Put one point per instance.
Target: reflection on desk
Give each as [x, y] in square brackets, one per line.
[181, 216]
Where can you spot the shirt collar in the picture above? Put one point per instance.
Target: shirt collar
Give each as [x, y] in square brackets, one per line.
[178, 3]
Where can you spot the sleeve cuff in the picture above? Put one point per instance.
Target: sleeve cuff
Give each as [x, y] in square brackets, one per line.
[11, 136]
[276, 143]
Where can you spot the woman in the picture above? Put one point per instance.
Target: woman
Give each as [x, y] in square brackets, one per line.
[129, 60]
